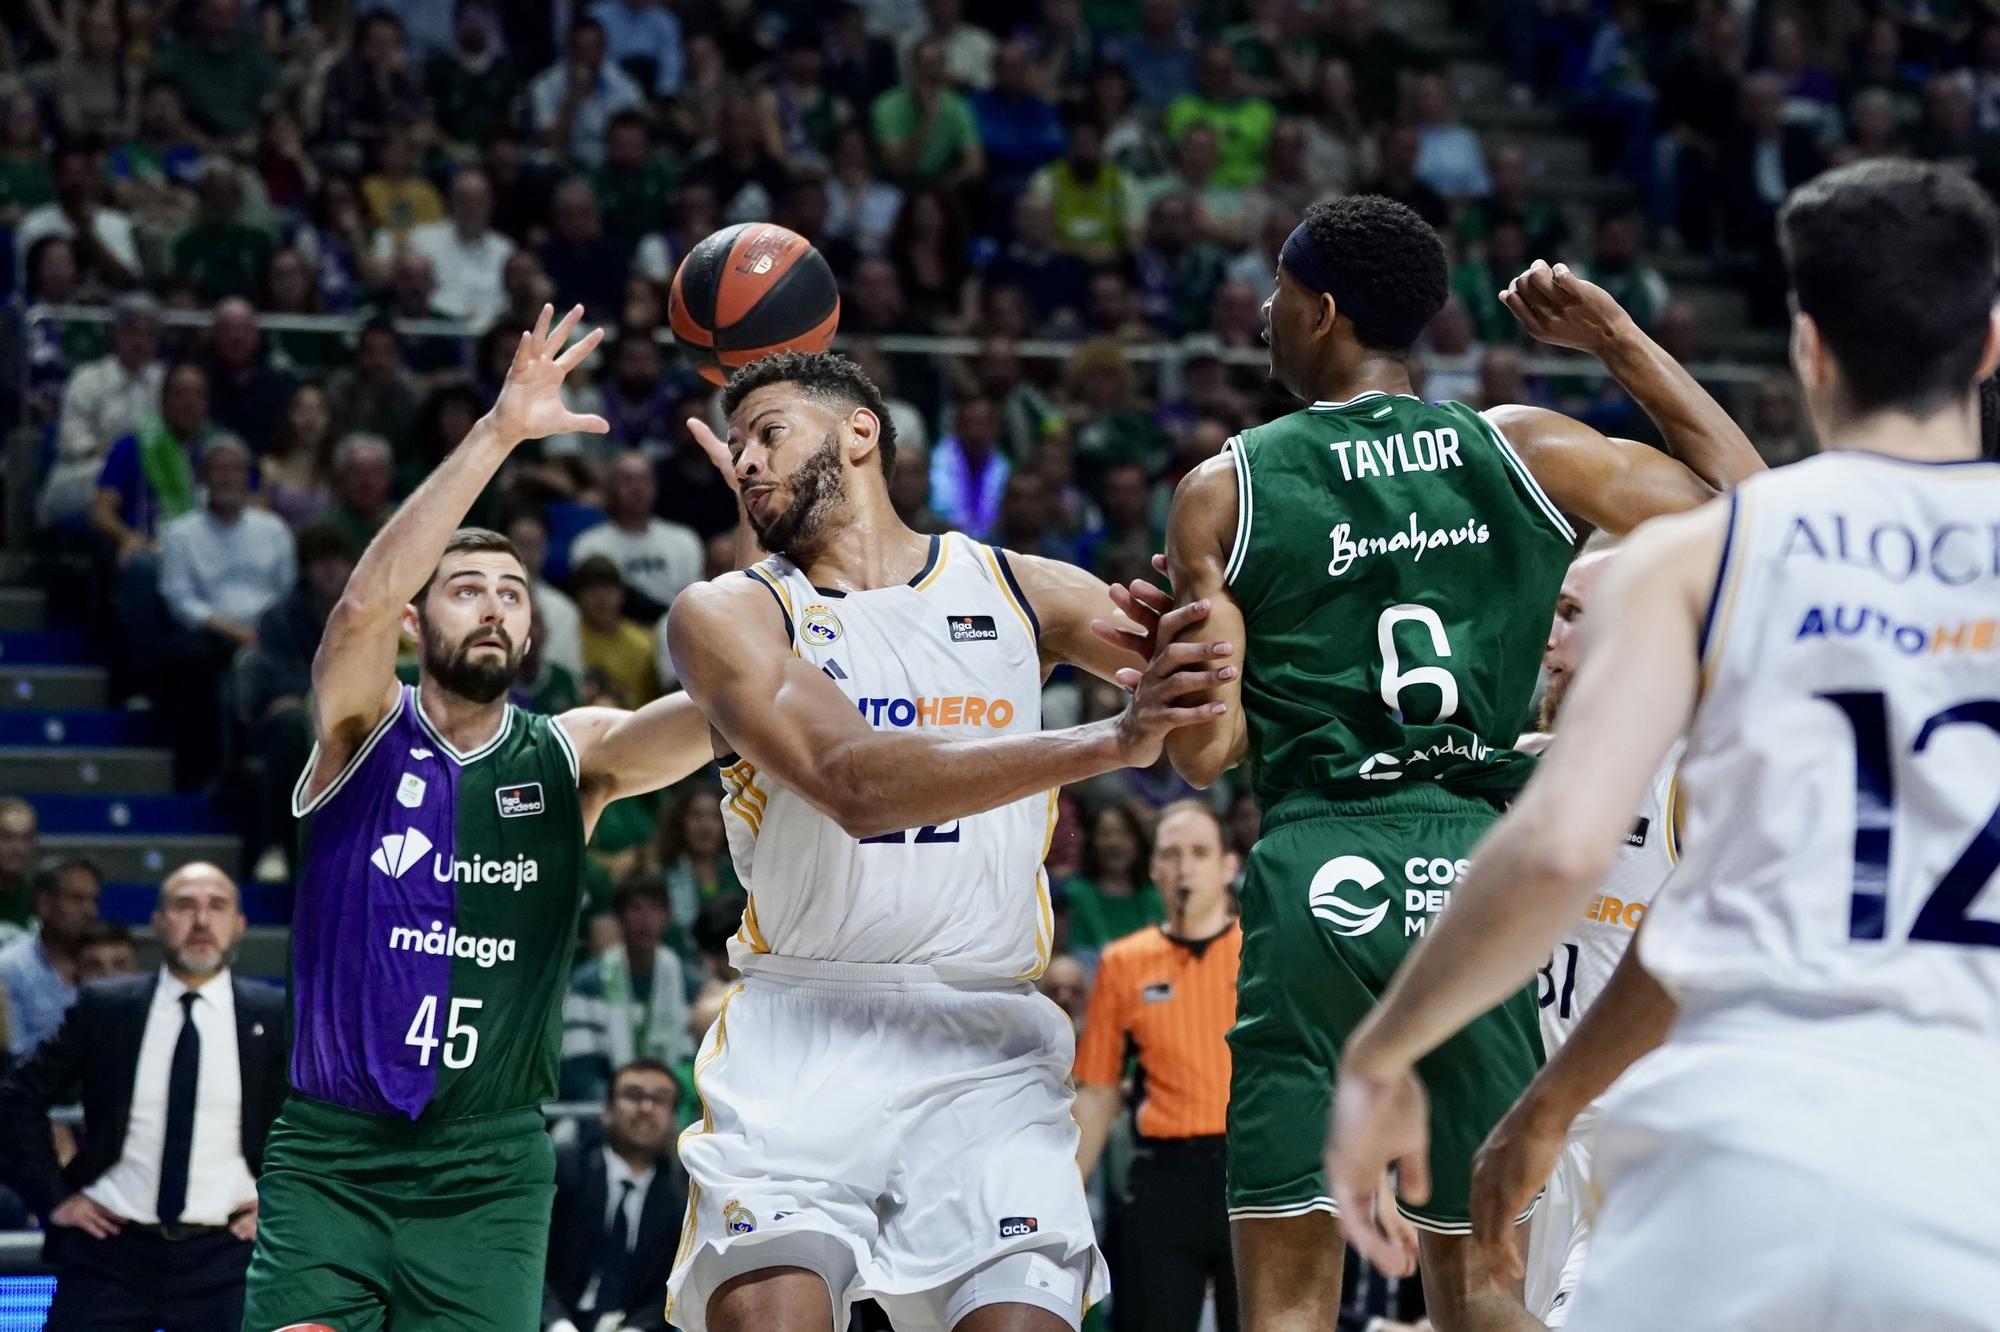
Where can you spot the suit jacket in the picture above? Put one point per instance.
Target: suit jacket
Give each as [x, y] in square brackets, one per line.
[578, 1236]
[98, 1046]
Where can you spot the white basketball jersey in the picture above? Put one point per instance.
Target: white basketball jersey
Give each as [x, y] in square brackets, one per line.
[1842, 778]
[951, 653]
[1583, 962]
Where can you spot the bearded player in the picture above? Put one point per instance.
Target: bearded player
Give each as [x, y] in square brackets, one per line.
[1388, 567]
[885, 1109]
[409, 1178]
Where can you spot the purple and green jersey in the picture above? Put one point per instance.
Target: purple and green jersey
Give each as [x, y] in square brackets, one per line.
[436, 912]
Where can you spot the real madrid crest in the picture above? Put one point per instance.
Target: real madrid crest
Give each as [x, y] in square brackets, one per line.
[737, 1219]
[819, 625]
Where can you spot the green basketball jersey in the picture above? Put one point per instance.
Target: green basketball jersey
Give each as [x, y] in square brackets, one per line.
[436, 911]
[1397, 566]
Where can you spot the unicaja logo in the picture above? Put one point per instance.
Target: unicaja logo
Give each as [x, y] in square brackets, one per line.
[399, 852]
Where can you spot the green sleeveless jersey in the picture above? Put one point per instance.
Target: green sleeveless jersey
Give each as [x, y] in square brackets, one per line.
[436, 913]
[1397, 566]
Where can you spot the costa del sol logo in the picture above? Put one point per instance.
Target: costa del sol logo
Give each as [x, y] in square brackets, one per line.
[1343, 916]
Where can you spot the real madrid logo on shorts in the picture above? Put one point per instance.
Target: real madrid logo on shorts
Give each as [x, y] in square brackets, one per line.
[819, 626]
[736, 1218]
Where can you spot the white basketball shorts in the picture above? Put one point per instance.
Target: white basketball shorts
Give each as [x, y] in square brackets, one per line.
[907, 1139]
[1559, 1236]
[1769, 1181]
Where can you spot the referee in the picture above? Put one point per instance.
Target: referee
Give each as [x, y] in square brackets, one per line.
[1167, 995]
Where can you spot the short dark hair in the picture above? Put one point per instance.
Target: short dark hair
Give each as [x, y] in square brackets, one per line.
[629, 116]
[595, 571]
[826, 376]
[639, 886]
[645, 1065]
[48, 878]
[1193, 806]
[1897, 263]
[468, 541]
[106, 932]
[324, 541]
[1388, 264]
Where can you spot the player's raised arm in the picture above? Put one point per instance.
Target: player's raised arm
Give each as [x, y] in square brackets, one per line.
[1532, 874]
[777, 710]
[1616, 484]
[354, 671]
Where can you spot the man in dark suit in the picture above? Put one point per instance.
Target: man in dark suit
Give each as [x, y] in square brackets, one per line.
[618, 1210]
[150, 1224]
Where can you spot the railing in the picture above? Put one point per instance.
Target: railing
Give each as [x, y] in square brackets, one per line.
[1168, 355]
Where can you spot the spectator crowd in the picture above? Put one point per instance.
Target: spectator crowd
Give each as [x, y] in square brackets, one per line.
[1117, 175]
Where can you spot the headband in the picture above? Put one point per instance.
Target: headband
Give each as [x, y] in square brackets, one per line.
[1303, 260]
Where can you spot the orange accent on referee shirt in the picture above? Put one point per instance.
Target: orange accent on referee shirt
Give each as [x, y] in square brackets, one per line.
[1175, 1002]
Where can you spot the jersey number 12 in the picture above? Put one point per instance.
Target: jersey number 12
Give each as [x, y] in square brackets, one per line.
[1946, 915]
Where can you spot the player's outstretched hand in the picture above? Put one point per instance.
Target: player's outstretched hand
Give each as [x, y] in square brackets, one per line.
[1378, 1123]
[1564, 310]
[1143, 603]
[1166, 695]
[1511, 1167]
[530, 404]
[717, 451]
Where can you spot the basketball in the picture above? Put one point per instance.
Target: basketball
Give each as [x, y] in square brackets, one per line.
[748, 291]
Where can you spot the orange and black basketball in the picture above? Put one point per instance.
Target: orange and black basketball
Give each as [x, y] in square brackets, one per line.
[748, 291]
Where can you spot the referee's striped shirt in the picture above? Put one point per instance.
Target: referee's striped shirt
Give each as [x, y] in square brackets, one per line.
[1171, 1001]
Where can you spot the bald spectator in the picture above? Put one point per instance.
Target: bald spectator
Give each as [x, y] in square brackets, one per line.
[466, 255]
[655, 558]
[104, 399]
[586, 266]
[38, 970]
[246, 396]
[182, 1070]
[221, 70]
[364, 478]
[220, 254]
[19, 837]
[570, 104]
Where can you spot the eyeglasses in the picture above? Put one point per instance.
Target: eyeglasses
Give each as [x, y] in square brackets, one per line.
[638, 1096]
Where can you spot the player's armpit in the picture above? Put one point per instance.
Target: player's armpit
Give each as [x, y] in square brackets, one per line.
[1200, 531]
[620, 753]
[1614, 484]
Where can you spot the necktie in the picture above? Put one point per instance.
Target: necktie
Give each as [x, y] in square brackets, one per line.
[616, 1271]
[180, 1116]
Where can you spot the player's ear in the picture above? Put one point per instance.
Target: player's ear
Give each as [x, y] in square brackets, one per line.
[864, 430]
[411, 623]
[1989, 355]
[1328, 311]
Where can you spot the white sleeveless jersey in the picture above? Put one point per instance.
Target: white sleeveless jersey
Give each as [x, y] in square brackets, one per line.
[1583, 962]
[952, 653]
[1842, 778]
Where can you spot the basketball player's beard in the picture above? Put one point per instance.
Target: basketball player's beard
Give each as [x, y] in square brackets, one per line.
[1552, 698]
[817, 497]
[475, 681]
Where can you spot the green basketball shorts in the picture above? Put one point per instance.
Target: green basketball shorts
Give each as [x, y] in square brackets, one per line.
[365, 1222]
[1336, 893]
